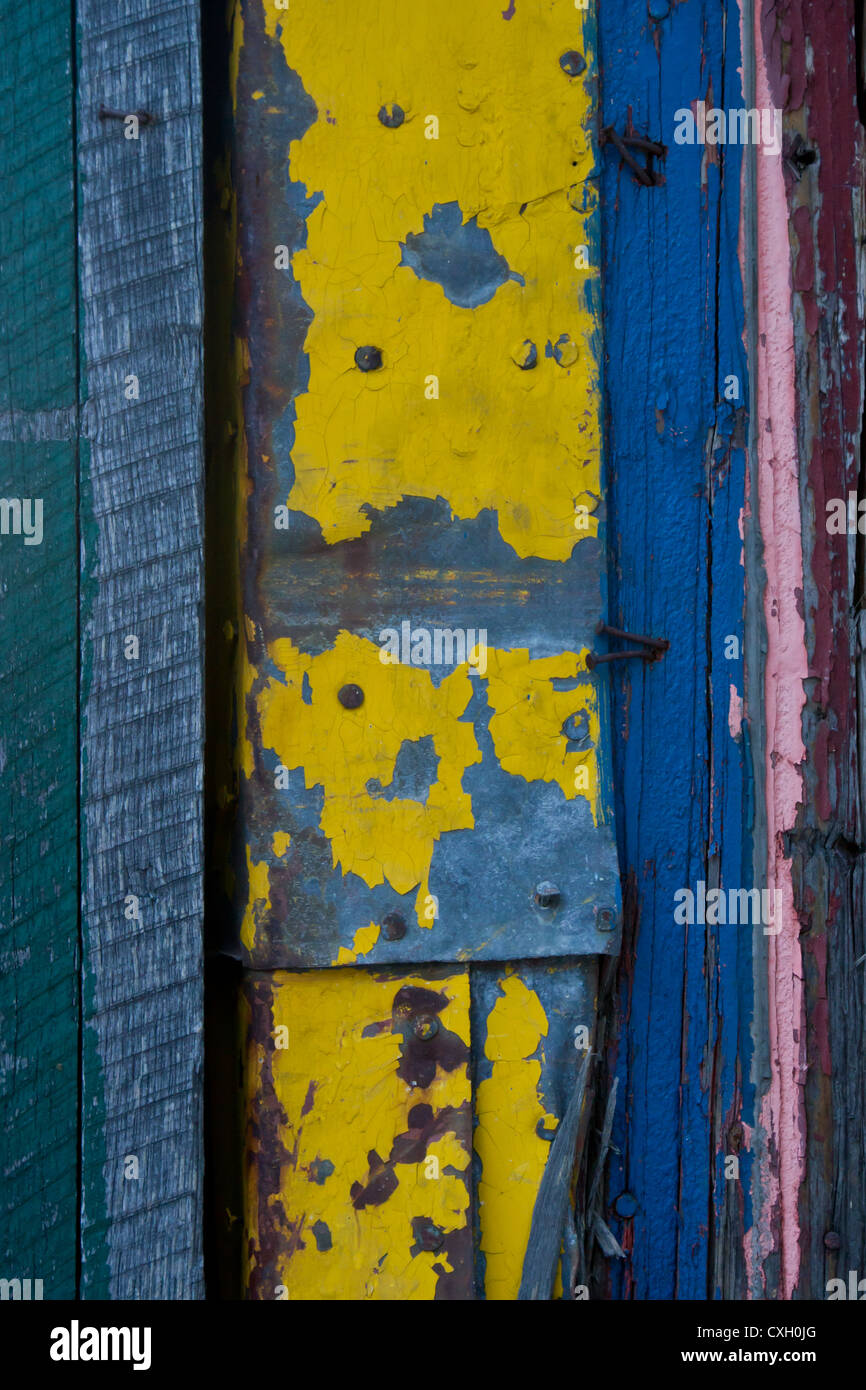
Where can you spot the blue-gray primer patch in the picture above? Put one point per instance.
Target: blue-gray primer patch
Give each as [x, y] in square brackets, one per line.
[415, 769]
[322, 1235]
[459, 256]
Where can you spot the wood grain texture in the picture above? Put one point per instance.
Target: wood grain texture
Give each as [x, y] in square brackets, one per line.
[38, 658]
[673, 322]
[813, 75]
[140, 257]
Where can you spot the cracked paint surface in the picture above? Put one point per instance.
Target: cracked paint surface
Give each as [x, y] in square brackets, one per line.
[352, 754]
[418, 409]
[525, 1065]
[517, 156]
[346, 1108]
[367, 500]
[512, 1154]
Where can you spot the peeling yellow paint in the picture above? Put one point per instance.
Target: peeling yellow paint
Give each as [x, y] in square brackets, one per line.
[280, 843]
[512, 1155]
[343, 1102]
[344, 749]
[516, 154]
[527, 726]
[364, 940]
[259, 896]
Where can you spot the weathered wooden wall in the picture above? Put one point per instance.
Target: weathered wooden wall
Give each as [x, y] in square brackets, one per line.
[102, 692]
[739, 757]
[731, 1042]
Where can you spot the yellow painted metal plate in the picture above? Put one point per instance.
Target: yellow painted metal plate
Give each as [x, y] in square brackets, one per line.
[363, 1091]
[421, 745]
[358, 1145]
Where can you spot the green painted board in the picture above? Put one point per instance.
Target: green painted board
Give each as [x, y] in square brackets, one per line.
[39, 987]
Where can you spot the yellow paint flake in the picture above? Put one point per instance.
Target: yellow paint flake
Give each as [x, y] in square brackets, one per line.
[527, 726]
[512, 1155]
[342, 750]
[258, 897]
[280, 843]
[337, 1085]
[364, 941]
[513, 149]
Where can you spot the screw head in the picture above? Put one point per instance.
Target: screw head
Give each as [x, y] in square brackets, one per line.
[425, 1027]
[625, 1205]
[525, 355]
[546, 894]
[350, 696]
[832, 1241]
[576, 727]
[368, 358]
[659, 9]
[605, 919]
[394, 926]
[392, 116]
[565, 351]
[573, 63]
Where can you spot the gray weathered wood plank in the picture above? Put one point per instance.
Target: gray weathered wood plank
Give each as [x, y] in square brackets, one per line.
[141, 295]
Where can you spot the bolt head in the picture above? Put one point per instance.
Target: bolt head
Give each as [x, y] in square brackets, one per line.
[573, 63]
[546, 894]
[605, 919]
[576, 727]
[525, 355]
[625, 1205]
[392, 116]
[350, 696]
[832, 1241]
[425, 1027]
[368, 358]
[394, 926]
[659, 9]
[565, 351]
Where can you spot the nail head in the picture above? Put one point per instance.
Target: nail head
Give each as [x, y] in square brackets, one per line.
[351, 696]
[546, 894]
[572, 63]
[368, 358]
[394, 926]
[392, 116]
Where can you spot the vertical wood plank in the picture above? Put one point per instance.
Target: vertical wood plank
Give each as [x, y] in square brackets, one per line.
[38, 650]
[140, 249]
[673, 334]
[812, 71]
